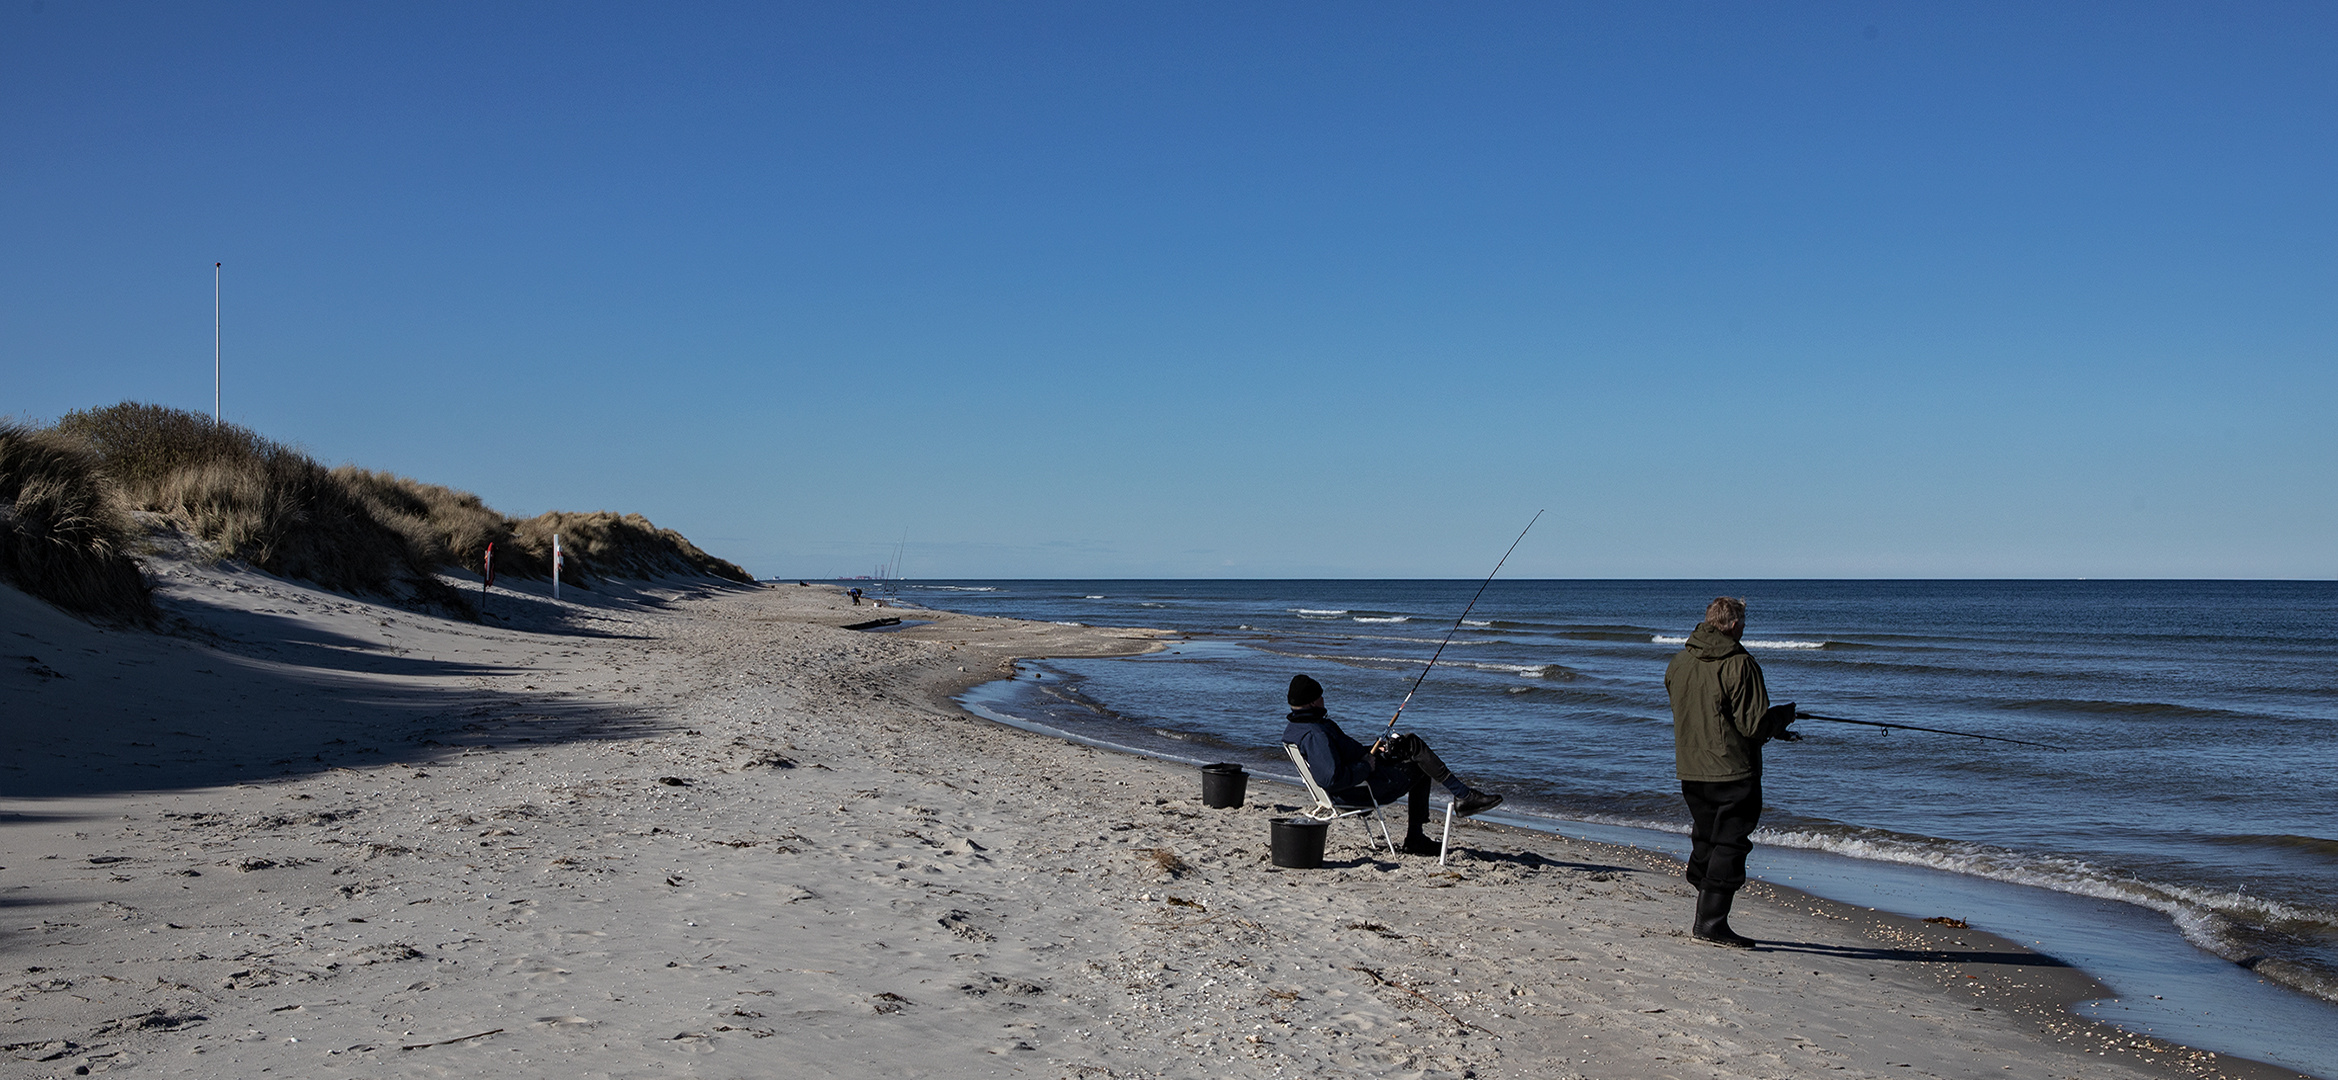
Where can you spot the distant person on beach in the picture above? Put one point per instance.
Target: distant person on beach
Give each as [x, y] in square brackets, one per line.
[1721, 716]
[855, 593]
[1398, 767]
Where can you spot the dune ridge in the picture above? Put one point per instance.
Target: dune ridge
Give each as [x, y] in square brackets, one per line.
[70, 494]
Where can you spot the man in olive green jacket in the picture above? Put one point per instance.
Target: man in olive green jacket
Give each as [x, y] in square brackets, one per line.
[1721, 716]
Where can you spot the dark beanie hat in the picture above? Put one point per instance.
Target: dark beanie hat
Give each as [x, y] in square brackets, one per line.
[1305, 691]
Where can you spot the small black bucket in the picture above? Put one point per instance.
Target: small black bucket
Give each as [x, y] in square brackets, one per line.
[1222, 785]
[1298, 842]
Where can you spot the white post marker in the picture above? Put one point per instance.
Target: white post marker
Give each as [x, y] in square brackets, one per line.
[215, 344]
[555, 567]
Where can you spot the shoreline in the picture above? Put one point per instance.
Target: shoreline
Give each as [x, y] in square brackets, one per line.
[1559, 700]
[2051, 1003]
[700, 827]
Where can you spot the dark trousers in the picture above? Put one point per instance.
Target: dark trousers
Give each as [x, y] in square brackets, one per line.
[1722, 817]
[1408, 753]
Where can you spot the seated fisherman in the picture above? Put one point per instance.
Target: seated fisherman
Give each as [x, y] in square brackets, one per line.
[1398, 767]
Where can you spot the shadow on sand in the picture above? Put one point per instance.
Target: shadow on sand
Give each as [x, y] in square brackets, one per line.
[241, 696]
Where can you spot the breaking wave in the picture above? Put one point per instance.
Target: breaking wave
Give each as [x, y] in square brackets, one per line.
[2220, 921]
[1750, 643]
[1523, 671]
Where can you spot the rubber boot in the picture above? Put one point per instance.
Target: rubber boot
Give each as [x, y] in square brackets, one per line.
[1713, 920]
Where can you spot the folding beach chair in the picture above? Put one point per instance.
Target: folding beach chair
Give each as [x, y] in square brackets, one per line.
[1321, 808]
[1445, 843]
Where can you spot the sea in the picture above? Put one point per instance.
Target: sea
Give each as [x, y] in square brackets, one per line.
[2173, 835]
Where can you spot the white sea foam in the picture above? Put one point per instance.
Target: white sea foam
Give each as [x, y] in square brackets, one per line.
[1753, 643]
[2204, 916]
[1400, 661]
[958, 588]
[1477, 622]
[1092, 597]
[1388, 619]
[1304, 611]
[1523, 671]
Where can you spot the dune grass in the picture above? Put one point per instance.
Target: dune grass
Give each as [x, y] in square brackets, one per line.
[347, 529]
[258, 500]
[620, 545]
[64, 535]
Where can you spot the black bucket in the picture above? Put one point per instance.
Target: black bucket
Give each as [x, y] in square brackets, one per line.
[1222, 785]
[1298, 842]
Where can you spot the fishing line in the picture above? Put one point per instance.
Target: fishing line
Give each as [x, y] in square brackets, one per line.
[1481, 591]
[1800, 715]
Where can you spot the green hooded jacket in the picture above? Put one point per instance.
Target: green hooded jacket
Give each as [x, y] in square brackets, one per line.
[1718, 699]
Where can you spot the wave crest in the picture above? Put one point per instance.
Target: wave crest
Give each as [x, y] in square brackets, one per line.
[1750, 643]
[2215, 920]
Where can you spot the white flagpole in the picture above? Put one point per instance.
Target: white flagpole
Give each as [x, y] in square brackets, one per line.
[215, 344]
[555, 567]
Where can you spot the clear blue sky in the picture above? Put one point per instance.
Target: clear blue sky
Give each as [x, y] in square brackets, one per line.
[1335, 289]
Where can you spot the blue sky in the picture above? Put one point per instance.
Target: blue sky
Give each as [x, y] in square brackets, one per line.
[1110, 289]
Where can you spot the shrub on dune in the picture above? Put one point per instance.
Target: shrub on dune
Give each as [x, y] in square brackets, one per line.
[64, 537]
[141, 445]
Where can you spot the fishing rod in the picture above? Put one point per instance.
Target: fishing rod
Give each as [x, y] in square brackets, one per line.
[1800, 715]
[1481, 591]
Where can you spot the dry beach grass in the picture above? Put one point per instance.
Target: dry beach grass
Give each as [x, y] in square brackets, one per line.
[348, 529]
[694, 827]
[64, 534]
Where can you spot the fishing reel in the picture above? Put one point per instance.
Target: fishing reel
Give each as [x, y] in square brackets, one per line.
[1393, 744]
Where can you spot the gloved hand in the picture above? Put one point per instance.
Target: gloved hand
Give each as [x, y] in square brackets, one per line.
[1775, 720]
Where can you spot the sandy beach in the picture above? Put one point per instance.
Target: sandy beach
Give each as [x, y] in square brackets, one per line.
[699, 829]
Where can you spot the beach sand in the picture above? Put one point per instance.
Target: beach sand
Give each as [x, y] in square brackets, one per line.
[697, 829]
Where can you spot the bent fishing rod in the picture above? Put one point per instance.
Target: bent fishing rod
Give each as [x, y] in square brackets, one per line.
[1458, 620]
[1800, 715]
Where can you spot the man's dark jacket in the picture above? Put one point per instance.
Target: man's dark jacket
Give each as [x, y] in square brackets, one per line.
[1341, 764]
[1718, 699]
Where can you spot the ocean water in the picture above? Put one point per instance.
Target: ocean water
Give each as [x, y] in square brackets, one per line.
[2197, 720]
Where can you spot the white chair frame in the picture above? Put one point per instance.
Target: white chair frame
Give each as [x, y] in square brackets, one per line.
[1321, 808]
[1324, 810]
